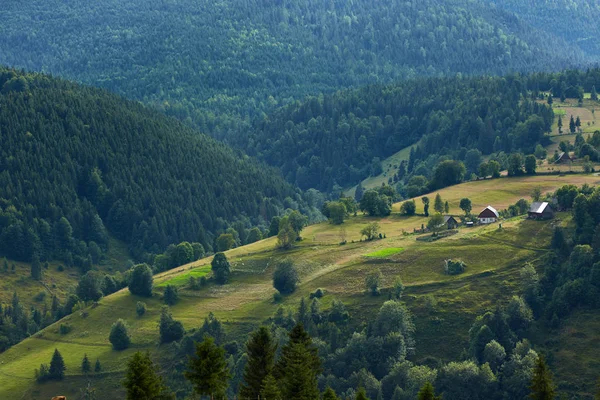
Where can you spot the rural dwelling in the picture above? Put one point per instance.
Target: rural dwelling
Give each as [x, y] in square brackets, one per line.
[541, 210]
[489, 215]
[563, 158]
[450, 222]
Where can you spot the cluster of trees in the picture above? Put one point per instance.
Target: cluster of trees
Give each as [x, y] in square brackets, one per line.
[337, 211]
[284, 51]
[145, 178]
[378, 202]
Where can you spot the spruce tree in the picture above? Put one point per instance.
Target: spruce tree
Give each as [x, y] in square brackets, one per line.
[142, 381]
[572, 126]
[98, 366]
[221, 268]
[541, 386]
[299, 366]
[36, 268]
[594, 94]
[5, 264]
[361, 394]
[329, 394]
[358, 193]
[446, 207]
[57, 366]
[270, 389]
[427, 392]
[560, 124]
[119, 335]
[207, 371]
[261, 357]
[438, 204]
[86, 366]
[171, 296]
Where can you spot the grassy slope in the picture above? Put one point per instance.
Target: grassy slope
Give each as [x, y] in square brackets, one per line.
[340, 270]
[54, 282]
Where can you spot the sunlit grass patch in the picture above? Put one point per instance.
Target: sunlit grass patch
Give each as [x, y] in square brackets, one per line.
[183, 279]
[385, 252]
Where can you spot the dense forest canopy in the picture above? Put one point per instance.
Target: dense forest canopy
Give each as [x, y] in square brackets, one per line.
[576, 21]
[339, 139]
[217, 65]
[77, 162]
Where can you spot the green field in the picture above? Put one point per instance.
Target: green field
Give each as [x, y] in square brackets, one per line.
[494, 258]
[385, 252]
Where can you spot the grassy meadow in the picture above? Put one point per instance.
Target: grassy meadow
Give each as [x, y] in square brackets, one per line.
[443, 306]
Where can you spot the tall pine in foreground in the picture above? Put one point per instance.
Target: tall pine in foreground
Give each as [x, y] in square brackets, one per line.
[329, 394]
[208, 371]
[299, 366]
[142, 381]
[361, 394]
[261, 356]
[541, 387]
[427, 392]
[270, 390]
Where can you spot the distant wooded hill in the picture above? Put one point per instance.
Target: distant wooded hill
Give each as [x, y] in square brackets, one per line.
[219, 64]
[340, 139]
[77, 163]
[576, 21]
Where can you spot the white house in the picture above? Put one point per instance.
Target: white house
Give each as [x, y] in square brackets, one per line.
[489, 215]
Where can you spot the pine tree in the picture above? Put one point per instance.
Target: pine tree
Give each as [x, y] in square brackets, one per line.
[221, 268]
[5, 264]
[98, 366]
[329, 394]
[446, 207]
[269, 391]
[299, 366]
[425, 201]
[208, 371]
[572, 126]
[261, 357]
[427, 392]
[171, 296]
[57, 366]
[438, 204]
[358, 193]
[36, 268]
[142, 381]
[578, 122]
[361, 394]
[86, 366]
[541, 386]
[594, 94]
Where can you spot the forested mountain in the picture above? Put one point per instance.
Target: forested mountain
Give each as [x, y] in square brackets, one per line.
[339, 139]
[218, 64]
[576, 21]
[77, 162]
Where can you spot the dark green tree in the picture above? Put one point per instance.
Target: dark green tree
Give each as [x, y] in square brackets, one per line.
[171, 296]
[207, 371]
[142, 381]
[299, 366]
[286, 236]
[466, 205]
[530, 164]
[119, 335]
[57, 366]
[515, 164]
[541, 386]
[425, 201]
[97, 366]
[169, 329]
[141, 281]
[89, 287]
[438, 204]
[254, 235]
[221, 268]
[274, 226]
[358, 193]
[260, 349]
[225, 242]
[572, 126]
[329, 394]
[427, 393]
[86, 366]
[285, 277]
[408, 208]
[560, 124]
[361, 394]
[270, 389]
[36, 268]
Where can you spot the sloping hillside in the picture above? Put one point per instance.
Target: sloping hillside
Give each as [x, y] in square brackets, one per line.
[219, 64]
[78, 163]
[494, 258]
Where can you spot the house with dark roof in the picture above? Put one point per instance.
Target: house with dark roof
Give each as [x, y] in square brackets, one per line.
[489, 215]
[540, 210]
[450, 222]
[563, 158]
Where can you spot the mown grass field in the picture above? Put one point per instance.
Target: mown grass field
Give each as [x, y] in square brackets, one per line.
[444, 306]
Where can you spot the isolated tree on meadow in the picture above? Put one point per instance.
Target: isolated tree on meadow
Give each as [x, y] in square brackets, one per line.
[285, 277]
[86, 366]
[438, 204]
[466, 205]
[221, 268]
[169, 329]
[370, 231]
[560, 124]
[425, 201]
[57, 366]
[408, 208]
[287, 236]
[141, 281]
[119, 335]
[373, 282]
[171, 296]
[530, 164]
[572, 126]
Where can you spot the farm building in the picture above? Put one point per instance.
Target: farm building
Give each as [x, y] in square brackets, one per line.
[563, 158]
[541, 210]
[450, 222]
[489, 215]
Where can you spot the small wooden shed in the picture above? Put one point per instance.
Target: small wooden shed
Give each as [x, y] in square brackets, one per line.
[541, 210]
